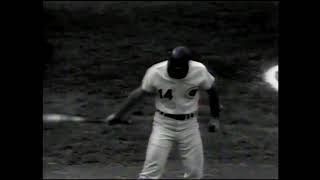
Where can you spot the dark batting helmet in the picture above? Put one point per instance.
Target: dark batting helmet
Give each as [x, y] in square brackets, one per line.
[178, 64]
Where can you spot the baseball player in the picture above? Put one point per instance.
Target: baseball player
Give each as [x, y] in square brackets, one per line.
[175, 83]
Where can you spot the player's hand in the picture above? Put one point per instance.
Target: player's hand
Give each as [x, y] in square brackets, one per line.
[114, 118]
[214, 125]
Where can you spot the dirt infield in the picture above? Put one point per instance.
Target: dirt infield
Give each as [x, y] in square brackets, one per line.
[214, 170]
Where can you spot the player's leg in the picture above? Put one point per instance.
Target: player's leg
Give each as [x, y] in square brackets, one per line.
[155, 162]
[159, 146]
[191, 152]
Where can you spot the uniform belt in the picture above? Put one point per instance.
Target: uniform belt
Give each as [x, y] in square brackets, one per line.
[180, 117]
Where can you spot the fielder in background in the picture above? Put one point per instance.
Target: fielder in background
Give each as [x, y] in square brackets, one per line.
[175, 83]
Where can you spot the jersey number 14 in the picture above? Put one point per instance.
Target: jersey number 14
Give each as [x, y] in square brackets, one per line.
[168, 94]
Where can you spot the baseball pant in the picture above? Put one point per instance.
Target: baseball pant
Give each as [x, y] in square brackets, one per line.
[167, 132]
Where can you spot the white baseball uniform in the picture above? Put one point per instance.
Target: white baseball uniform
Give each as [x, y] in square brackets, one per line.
[175, 96]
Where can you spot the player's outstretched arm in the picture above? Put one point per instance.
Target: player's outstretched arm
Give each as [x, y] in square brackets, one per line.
[134, 97]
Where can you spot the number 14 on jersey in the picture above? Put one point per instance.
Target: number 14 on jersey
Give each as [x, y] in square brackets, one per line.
[168, 94]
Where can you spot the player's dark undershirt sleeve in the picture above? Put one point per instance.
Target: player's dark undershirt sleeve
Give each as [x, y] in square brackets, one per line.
[214, 102]
[213, 94]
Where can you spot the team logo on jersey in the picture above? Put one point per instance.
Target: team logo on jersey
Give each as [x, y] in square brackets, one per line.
[191, 92]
